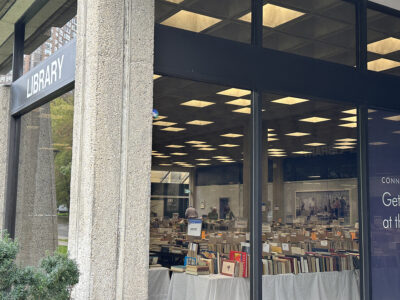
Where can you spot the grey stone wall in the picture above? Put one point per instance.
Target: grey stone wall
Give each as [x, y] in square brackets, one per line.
[110, 185]
[36, 215]
[4, 132]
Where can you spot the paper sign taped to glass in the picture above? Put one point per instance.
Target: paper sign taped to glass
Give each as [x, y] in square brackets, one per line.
[194, 227]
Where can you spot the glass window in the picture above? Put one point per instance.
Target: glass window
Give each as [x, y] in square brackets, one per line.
[318, 29]
[383, 43]
[310, 195]
[217, 18]
[200, 179]
[44, 179]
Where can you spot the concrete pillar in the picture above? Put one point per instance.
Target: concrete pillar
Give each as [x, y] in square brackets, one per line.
[4, 132]
[192, 187]
[111, 165]
[277, 189]
[36, 215]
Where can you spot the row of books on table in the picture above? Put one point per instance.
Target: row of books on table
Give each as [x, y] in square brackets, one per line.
[236, 264]
[309, 263]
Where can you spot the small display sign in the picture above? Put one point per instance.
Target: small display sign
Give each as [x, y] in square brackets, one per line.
[194, 227]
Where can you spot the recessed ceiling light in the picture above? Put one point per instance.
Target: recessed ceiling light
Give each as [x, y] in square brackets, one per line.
[157, 154]
[229, 145]
[274, 15]
[274, 149]
[349, 125]
[227, 161]
[297, 134]
[350, 119]
[199, 122]
[180, 162]
[179, 153]
[232, 135]
[203, 164]
[314, 176]
[272, 139]
[175, 1]
[163, 156]
[166, 165]
[190, 21]
[195, 142]
[378, 143]
[201, 146]
[315, 144]
[203, 159]
[155, 76]
[343, 147]
[347, 140]
[371, 111]
[173, 129]
[271, 134]
[345, 143]
[278, 155]
[302, 152]
[197, 103]
[244, 110]
[350, 111]
[207, 149]
[396, 132]
[314, 120]
[234, 92]
[239, 102]
[163, 123]
[382, 64]
[385, 46]
[175, 146]
[270, 129]
[290, 100]
[393, 118]
[161, 118]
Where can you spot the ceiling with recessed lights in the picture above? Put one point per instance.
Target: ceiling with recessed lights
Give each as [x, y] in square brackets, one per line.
[192, 133]
[322, 29]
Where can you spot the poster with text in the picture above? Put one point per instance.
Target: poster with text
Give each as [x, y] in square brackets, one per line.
[384, 191]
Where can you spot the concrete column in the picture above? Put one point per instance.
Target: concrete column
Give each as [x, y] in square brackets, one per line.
[4, 132]
[277, 187]
[192, 187]
[110, 185]
[36, 215]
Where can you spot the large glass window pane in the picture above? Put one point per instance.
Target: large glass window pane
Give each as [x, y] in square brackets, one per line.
[217, 18]
[310, 197]
[384, 164]
[44, 175]
[383, 43]
[200, 177]
[314, 28]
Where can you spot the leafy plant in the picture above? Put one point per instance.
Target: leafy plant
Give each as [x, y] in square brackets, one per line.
[53, 279]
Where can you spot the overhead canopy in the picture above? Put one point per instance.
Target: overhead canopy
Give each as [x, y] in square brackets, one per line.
[38, 15]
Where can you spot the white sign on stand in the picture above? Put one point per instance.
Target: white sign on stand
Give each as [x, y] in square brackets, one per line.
[194, 227]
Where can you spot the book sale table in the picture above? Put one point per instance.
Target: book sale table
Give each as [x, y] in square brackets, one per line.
[343, 285]
[158, 283]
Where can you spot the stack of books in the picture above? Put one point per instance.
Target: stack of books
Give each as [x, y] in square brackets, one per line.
[197, 270]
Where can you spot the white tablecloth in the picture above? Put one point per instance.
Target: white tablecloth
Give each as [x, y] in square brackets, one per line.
[309, 286]
[158, 283]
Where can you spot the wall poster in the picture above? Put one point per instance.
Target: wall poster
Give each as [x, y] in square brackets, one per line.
[323, 206]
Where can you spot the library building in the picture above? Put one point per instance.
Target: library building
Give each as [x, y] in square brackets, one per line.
[203, 149]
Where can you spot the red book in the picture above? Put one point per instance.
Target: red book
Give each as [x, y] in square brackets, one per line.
[240, 257]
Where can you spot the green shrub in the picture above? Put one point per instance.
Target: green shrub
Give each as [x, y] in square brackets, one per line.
[53, 279]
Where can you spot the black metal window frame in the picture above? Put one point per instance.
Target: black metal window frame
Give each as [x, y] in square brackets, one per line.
[253, 67]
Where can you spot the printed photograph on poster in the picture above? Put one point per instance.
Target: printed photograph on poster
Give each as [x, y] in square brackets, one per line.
[323, 206]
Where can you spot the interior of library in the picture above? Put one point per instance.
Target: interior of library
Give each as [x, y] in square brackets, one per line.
[201, 171]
